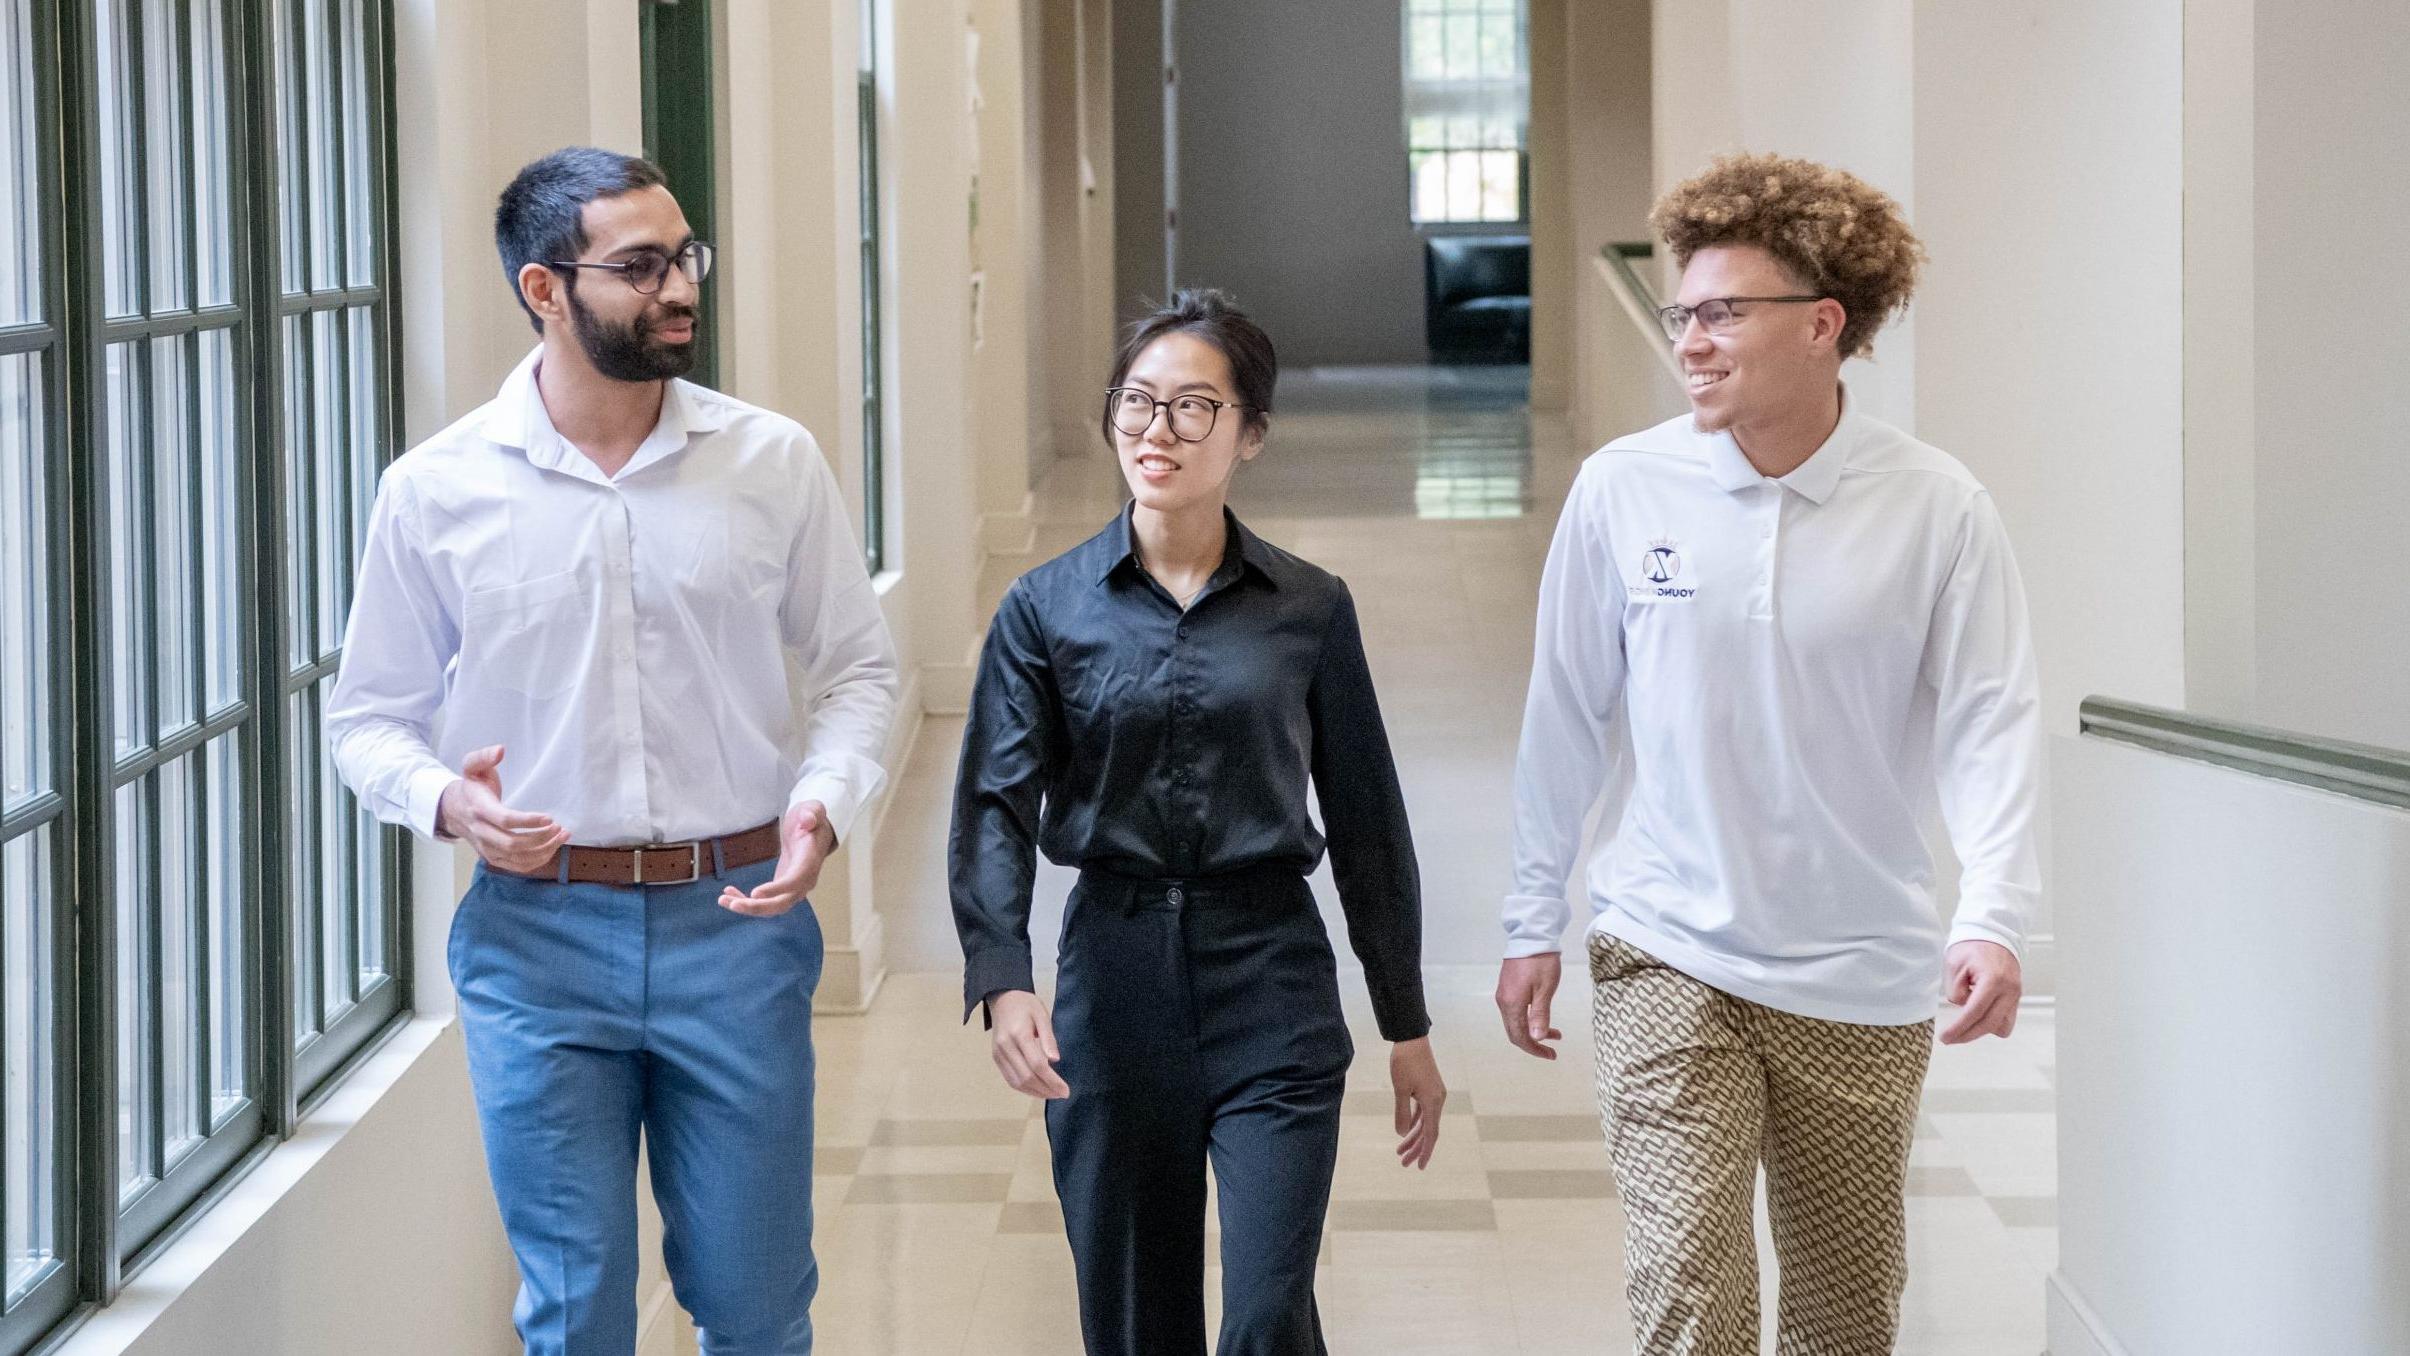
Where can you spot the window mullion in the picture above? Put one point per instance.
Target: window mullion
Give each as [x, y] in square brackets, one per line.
[88, 929]
[268, 1002]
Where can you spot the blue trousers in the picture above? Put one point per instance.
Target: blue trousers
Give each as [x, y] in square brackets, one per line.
[1198, 1020]
[594, 1013]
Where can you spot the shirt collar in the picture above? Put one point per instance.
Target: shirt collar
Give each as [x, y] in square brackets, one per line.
[1816, 478]
[517, 418]
[1243, 551]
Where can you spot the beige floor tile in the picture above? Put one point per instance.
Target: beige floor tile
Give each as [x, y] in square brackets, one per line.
[928, 1188]
[939, 1160]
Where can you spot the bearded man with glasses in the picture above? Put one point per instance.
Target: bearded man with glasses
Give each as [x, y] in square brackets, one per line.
[1808, 621]
[646, 595]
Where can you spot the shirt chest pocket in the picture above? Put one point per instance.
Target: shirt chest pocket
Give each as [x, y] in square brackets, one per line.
[532, 637]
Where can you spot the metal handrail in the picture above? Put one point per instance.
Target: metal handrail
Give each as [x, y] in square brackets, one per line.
[1638, 299]
[2361, 771]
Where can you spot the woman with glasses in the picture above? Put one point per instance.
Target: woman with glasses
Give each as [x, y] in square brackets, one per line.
[1150, 707]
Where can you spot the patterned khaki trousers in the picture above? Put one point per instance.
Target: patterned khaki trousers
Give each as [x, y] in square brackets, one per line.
[1697, 1087]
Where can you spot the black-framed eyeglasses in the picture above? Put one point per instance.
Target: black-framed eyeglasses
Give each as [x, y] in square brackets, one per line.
[1716, 314]
[1192, 417]
[646, 270]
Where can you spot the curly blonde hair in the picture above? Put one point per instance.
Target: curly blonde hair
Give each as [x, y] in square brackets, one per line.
[1843, 237]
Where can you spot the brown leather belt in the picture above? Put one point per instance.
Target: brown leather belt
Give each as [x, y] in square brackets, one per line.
[657, 863]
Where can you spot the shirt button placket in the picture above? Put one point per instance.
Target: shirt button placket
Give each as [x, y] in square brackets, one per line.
[1761, 603]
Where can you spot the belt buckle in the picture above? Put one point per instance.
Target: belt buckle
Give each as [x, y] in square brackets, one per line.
[694, 863]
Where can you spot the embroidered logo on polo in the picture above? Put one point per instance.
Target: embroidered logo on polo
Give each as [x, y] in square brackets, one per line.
[1661, 573]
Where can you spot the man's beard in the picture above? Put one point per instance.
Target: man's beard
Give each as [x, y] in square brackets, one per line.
[629, 352]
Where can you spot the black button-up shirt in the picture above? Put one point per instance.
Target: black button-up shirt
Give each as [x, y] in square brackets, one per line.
[1116, 732]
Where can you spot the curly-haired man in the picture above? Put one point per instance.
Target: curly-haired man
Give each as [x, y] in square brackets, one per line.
[1808, 619]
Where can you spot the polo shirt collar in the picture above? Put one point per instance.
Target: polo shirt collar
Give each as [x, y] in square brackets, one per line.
[1815, 479]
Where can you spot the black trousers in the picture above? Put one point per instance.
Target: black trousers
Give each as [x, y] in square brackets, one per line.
[1198, 1019]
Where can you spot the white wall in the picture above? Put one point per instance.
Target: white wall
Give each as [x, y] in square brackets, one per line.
[2234, 1063]
[1830, 80]
[2050, 339]
[2331, 311]
[2221, 544]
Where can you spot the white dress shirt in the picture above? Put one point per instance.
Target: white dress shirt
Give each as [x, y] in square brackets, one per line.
[682, 650]
[1800, 662]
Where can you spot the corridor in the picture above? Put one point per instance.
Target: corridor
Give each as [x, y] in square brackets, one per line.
[939, 1231]
[257, 263]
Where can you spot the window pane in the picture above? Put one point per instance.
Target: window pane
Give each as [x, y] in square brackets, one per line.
[370, 892]
[300, 630]
[20, 219]
[1501, 183]
[330, 449]
[359, 198]
[1498, 46]
[291, 185]
[120, 195]
[214, 228]
[1426, 37]
[30, 1109]
[25, 613]
[1430, 187]
[301, 856]
[338, 853]
[178, 900]
[1464, 46]
[1464, 185]
[129, 593]
[172, 622]
[135, 1109]
[163, 153]
[229, 1083]
[325, 173]
[223, 528]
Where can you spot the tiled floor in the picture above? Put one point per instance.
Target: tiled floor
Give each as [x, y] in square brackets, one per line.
[938, 1227]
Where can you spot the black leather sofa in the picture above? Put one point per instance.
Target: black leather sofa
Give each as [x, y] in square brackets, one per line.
[1477, 291]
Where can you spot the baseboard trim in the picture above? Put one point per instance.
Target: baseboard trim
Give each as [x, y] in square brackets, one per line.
[2072, 1328]
[946, 688]
[2042, 968]
[1004, 534]
[850, 976]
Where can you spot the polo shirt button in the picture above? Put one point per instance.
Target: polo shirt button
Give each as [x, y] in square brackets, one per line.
[1182, 633]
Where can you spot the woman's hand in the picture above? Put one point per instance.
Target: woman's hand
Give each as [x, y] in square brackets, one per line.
[1414, 1074]
[1022, 1044]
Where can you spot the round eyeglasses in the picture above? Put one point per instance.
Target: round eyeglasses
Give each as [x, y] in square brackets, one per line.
[1192, 417]
[1716, 314]
[646, 270]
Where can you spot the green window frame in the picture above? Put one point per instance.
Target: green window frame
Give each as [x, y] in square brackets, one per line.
[199, 929]
[874, 362]
[679, 136]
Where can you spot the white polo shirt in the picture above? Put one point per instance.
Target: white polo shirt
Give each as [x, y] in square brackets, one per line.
[1799, 659]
